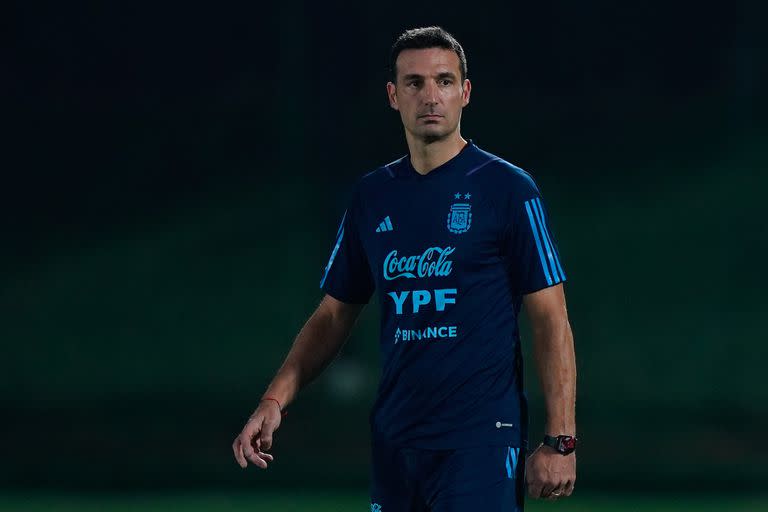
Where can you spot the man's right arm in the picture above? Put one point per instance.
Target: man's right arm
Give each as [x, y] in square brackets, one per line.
[316, 345]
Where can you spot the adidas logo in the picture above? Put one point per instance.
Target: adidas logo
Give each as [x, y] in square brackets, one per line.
[386, 225]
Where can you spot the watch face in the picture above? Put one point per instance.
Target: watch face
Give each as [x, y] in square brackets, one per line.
[567, 444]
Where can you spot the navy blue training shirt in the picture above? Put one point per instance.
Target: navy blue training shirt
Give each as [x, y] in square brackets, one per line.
[451, 254]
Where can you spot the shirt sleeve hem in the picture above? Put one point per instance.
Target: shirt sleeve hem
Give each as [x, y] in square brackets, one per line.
[341, 297]
[538, 288]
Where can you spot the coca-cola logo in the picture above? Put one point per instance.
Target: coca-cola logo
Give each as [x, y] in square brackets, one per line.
[432, 262]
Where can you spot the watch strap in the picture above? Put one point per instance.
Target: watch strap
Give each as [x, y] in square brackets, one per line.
[561, 444]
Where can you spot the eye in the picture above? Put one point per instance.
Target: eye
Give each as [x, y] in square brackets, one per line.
[446, 81]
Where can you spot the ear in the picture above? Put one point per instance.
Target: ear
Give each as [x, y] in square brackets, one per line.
[392, 95]
[466, 89]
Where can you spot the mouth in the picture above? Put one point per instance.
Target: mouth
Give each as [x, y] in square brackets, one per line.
[430, 117]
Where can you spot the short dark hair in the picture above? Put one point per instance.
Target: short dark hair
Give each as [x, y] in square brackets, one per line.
[426, 37]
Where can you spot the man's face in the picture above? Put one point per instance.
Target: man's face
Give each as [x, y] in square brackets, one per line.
[429, 93]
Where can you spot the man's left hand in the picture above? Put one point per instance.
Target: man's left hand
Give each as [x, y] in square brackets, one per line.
[549, 474]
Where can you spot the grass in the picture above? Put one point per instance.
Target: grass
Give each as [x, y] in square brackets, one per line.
[313, 501]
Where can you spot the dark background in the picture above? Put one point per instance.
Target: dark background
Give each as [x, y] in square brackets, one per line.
[173, 179]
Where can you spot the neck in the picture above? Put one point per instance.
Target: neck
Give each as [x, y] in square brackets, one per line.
[426, 156]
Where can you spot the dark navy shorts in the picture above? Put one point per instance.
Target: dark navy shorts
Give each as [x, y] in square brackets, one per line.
[486, 478]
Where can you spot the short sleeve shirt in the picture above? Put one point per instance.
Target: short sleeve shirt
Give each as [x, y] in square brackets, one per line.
[450, 254]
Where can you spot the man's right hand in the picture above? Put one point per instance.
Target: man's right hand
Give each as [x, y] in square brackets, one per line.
[256, 437]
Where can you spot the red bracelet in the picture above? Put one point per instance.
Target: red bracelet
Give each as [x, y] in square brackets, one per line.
[284, 413]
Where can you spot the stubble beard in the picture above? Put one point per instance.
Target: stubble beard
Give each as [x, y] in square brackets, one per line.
[431, 137]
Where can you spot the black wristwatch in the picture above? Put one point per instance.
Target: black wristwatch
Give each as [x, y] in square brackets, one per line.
[562, 444]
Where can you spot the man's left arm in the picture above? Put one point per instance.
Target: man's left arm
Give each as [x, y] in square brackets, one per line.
[550, 474]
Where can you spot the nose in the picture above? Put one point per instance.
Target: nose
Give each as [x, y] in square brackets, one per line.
[430, 93]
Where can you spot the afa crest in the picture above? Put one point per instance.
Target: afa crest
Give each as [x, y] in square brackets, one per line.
[460, 218]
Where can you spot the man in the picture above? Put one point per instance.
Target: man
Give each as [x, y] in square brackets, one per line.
[454, 239]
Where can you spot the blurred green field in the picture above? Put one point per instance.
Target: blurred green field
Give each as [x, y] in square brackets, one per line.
[313, 501]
